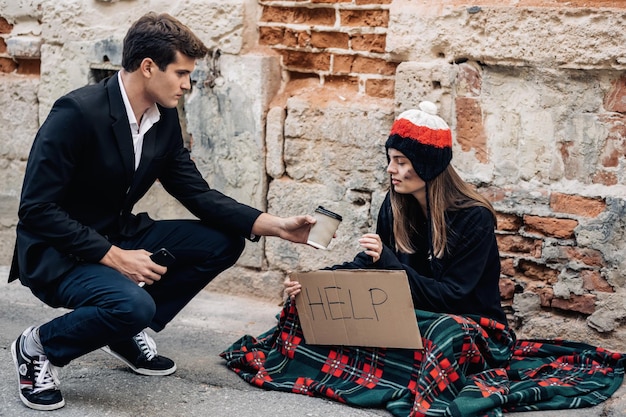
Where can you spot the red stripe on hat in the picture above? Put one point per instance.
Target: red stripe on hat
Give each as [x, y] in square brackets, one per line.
[440, 138]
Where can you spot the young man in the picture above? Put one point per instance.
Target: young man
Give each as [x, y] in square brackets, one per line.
[79, 245]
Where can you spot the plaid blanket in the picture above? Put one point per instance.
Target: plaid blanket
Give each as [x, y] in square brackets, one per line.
[470, 366]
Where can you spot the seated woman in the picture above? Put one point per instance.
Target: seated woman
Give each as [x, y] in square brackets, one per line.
[438, 229]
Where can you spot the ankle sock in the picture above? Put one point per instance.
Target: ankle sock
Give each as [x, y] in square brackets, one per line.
[32, 343]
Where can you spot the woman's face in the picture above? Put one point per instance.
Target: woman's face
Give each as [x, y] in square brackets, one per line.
[404, 179]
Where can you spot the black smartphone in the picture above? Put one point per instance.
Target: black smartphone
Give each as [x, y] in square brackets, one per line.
[163, 257]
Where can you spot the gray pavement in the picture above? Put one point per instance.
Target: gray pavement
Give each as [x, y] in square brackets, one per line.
[99, 385]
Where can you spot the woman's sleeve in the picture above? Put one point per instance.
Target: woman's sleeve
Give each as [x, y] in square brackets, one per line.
[462, 268]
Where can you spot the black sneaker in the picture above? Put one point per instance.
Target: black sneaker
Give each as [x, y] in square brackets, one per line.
[38, 381]
[140, 354]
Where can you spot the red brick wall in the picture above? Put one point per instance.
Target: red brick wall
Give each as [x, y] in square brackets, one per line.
[523, 239]
[9, 64]
[337, 41]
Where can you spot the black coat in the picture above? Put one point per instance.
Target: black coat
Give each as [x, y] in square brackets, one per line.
[464, 281]
[80, 184]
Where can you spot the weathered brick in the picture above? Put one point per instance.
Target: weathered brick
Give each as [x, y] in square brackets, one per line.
[614, 146]
[593, 281]
[546, 295]
[7, 65]
[507, 288]
[271, 35]
[604, 178]
[365, 65]
[585, 303]
[537, 271]
[342, 64]
[578, 205]
[550, 226]
[528, 284]
[300, 15]
[507, 266]
[5, 26]
[3, 45]
[372, 18]
[468, 81]
[590, 257]
[342, 81]
[470, 131]
[296, 38]
[615, 98]
[29, 66]
[331, 1]
[330, 40]
[306, 60]
[509, 222]
[519, 244]
[362, 2]
[382, 88]
[369, 42]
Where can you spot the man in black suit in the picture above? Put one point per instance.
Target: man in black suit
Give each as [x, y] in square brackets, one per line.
[79, 245]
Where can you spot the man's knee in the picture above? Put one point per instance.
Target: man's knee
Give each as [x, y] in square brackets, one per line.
[136, 310]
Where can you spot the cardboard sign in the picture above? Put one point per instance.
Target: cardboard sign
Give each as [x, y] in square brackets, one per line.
[357, 308]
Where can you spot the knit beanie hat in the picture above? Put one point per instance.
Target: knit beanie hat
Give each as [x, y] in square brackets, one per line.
[424, 138]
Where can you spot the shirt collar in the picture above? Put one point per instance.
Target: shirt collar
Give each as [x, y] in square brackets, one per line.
[152, 115]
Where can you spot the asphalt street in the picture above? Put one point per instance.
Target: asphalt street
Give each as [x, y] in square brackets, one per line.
[99, 385]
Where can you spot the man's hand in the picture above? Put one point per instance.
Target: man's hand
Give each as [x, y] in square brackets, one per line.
[295, 229]
[136, 265]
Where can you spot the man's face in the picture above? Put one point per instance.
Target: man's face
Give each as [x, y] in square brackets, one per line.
[167, 87]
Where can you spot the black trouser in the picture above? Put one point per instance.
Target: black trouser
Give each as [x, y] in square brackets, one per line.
[108, 307]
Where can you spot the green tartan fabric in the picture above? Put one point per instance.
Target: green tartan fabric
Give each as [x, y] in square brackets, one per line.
[470, 366]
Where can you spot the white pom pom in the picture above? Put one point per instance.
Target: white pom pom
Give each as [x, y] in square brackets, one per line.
[428, 107]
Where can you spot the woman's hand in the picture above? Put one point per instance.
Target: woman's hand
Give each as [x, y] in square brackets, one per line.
[292, 288]
[372, 244]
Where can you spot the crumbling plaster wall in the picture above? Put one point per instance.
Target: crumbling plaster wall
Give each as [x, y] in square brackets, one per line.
[294, 113]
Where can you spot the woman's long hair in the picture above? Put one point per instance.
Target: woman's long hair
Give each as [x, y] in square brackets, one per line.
[447, 191]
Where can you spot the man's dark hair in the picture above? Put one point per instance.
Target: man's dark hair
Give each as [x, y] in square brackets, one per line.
[159, 37]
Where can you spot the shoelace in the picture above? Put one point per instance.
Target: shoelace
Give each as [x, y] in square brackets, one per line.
[146, 344]
[46, 375]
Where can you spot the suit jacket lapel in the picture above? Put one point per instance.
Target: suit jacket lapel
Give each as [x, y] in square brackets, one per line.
[121, 128]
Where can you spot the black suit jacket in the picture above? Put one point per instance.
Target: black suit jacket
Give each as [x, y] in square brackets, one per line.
[80, 184]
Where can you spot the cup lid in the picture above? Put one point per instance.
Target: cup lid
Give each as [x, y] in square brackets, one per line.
[328, 213]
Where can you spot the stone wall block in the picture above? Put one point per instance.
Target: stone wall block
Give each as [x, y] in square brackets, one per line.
[327, 144]
[274, 142]
[19, 119]
[28, 47]
[227, 123]
[508, 35]
[287, 197]
[432, 81]
[609, 314]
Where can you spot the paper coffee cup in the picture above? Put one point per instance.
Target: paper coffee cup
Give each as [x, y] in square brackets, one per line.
[324, 229]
